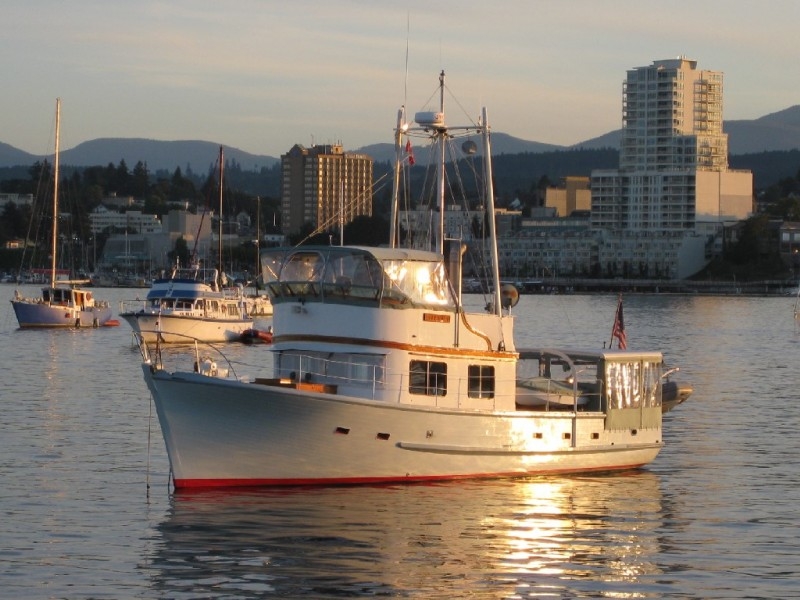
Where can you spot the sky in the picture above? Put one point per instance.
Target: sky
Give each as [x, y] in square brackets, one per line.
[262, 76]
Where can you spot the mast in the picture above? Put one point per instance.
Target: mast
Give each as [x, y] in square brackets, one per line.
[258, 243]
[398, 148]
[440, 170]
[55, 196]
[487, 175]
[219, 225]
[341, 212]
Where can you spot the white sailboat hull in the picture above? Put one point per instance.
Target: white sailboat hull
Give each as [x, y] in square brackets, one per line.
[31, 313]
[271, 435]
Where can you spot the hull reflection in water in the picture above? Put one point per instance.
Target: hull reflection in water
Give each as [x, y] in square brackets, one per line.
[494, 539]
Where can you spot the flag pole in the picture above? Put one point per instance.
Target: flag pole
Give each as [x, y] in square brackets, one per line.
[614, 326]
[618, 330]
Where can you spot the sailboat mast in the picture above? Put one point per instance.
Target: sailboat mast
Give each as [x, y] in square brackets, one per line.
[341, 212]
[55, 195]
[258, 243]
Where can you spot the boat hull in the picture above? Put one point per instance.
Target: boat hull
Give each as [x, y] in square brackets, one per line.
[39, 314]
[224, 433]
[178, 329]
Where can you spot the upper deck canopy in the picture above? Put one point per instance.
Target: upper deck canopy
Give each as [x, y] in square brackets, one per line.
[396, 276]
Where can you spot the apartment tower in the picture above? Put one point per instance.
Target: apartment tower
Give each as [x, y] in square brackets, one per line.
[673, 171]
[324, 186]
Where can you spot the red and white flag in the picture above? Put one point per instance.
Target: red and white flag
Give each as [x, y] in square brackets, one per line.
[410, 153]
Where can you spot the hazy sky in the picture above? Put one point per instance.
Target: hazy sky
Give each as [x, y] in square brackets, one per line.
[262, 76]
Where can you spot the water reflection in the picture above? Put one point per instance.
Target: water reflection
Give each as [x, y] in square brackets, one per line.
[496, 539]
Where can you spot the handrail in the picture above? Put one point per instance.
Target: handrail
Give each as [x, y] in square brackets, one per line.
[155, 358]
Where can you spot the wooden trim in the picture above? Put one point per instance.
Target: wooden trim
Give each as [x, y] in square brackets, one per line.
[419, 349]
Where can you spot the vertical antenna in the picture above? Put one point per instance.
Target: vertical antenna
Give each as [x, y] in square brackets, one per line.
[405, 82]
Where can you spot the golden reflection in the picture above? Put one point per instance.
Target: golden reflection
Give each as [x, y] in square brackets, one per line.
[574, 528]
[496, 539]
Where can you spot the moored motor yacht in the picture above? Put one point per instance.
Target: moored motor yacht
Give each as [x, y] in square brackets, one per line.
[379, 374]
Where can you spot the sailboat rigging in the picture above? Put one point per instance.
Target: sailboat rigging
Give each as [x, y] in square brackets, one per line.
[62, 303]
[193, 304]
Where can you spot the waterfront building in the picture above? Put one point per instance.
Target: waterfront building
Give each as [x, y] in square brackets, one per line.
[147, 250]
[573, 193]
[664, 211]
[17, 199]
[459, 224]
[324, 186]
[101, 219]
[673, 171]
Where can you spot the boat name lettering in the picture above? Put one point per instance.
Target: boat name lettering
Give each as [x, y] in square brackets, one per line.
[432, 318]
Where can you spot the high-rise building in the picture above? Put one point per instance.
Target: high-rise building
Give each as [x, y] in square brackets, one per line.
[324, 186]
[673, 173]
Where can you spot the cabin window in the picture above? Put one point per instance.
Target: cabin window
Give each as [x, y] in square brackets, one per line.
[303, 267]
[359, 369]
[356, 275]
[423, 282]
[633, 384]
[480, 381]
[428, 378]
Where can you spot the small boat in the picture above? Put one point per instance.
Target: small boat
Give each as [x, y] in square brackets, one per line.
[62, 303]
[193, 304]
[380, 374]
[258, 305]
[256, 336]
[190, 305]
[674, 392]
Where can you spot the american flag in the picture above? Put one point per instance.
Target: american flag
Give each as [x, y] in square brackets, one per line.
[619, 328]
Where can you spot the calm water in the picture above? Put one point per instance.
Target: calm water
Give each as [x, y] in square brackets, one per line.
[715, 516]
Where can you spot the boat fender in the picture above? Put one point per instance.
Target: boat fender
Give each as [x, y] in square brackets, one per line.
[88, 296]
[208, 367]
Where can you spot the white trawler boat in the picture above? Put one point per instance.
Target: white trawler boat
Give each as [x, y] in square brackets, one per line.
[379, 375]
[193, 304]
[190, 305]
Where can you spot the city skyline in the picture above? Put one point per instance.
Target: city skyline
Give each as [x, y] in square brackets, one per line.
[263, 76]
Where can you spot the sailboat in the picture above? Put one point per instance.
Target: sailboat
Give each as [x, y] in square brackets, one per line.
[62, 303]
[258, 305]
[193, 304]
[380, 374]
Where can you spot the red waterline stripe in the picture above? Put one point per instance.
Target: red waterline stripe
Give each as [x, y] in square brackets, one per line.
[263, 482]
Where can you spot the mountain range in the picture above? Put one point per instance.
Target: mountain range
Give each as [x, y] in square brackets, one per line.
[776, 131]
